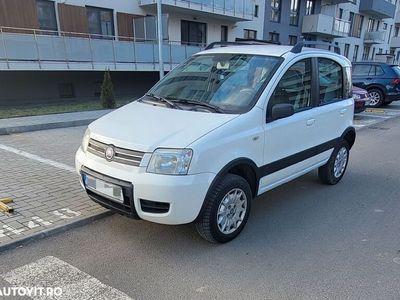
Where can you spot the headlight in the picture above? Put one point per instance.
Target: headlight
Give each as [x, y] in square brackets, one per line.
[85, 140]
[170, 161]
[356, 96]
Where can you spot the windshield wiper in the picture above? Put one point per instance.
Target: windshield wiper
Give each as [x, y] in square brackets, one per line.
[199, 103]
[162, 99]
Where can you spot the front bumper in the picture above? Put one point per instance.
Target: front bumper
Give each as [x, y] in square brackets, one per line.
[183, 194]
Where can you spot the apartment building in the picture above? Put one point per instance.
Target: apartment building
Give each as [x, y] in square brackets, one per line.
[363, 29]
[56, 49]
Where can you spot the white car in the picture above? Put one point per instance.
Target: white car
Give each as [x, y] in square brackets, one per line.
[223, 127]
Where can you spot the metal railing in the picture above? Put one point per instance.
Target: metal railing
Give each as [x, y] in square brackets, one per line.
[341, 27]
[375, 37]
[45, 47]
[236, 8]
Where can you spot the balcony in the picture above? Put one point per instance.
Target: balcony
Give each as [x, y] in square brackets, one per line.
[397, 17]
[395, 42]
[380, 9]
[232, 10]
[334, 2]
[29, 49]
[324, 25]
[374, 37]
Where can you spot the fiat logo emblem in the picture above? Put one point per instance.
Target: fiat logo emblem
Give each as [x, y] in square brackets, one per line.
[109, 153]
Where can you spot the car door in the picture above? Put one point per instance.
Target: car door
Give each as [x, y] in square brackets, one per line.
[289, 141]
[361, 75]
[335, 110]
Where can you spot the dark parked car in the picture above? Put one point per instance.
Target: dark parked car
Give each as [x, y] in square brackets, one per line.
[381, 80]
[361, 99]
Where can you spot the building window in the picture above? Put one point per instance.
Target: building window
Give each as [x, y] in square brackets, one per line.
[396, 31]
[292, 40]
[250, 34]
[66, 90]
[356, 25]
[275, 11]
[385, 26]
[256, 11]
[340, 15]
[373, 53]
[355, 53]
[224, 33]
[366, 52]
[100, 21]
[193, 33]
[294, 12]
[46, 15]
[380, 50]
[371, 24]
[310, 5]
[274, 37]
[346, 50]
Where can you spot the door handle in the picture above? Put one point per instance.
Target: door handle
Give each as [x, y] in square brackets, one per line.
[310, 122]
[343, 111]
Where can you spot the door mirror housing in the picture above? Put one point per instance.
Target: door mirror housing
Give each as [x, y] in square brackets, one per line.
[280, 111]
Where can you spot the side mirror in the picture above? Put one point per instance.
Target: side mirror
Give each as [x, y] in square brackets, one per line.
[280, 111]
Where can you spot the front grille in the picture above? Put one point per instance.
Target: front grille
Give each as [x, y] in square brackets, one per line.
[127, 208]
[154, 206]
[123, 156]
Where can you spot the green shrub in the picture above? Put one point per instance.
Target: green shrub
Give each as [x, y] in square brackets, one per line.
[107, 91]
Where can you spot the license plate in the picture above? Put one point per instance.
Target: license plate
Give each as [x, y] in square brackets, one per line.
[109, 190]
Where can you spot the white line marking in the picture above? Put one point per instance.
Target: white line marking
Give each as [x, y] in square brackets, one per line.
[37, 158]
[55, 273]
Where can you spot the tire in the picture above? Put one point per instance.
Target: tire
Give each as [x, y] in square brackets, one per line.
[376, 98]
[210, 224]
[328, 173]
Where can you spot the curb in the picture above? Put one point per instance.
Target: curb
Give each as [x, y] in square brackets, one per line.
[37, 127]
[53, 231]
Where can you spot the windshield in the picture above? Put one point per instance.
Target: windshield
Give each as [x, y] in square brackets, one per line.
[227, 81]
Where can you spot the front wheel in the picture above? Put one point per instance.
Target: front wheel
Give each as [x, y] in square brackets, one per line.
[333, 171]
[226, 210]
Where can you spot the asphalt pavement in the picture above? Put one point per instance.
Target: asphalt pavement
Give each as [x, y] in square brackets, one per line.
[304, 240]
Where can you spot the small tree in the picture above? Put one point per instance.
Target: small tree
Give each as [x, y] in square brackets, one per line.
[107, 91]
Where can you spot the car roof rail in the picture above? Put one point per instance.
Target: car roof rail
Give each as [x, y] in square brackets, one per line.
[299, 46]
[240, 42]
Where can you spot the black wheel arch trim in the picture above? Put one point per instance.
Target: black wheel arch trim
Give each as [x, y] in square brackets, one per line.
[225, 170]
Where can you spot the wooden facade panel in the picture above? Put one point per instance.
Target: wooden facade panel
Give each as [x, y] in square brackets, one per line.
[19, 13]
[125, 24]
[73, 18]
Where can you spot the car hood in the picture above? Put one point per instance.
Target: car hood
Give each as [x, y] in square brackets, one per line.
[145, 127]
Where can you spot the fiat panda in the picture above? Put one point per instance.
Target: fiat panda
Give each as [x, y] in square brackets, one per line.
[225, 126]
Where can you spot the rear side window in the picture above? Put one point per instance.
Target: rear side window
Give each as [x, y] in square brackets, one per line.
[295, 87]
[396, 69]
[379, 71]
[361, 70]
[330, 81]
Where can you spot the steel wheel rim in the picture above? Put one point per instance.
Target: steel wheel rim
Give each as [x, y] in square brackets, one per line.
[374, 98]
[340, 162]
[231, 211]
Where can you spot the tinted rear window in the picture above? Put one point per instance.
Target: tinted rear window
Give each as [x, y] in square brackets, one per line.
[396, 69]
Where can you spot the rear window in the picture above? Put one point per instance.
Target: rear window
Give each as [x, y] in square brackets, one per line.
[396, 69]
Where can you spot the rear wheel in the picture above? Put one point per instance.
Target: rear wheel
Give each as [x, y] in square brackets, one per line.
[376, 98]
[333, 171]
[226, 211]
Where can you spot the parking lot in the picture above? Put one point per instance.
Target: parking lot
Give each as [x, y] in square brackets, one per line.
[304, 240]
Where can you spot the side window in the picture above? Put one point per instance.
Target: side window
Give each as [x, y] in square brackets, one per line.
[379, 71]
[294, 87]
[330, 81]
[361, 70]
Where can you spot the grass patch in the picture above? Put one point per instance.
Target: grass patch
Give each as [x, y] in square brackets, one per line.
[54, 108]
